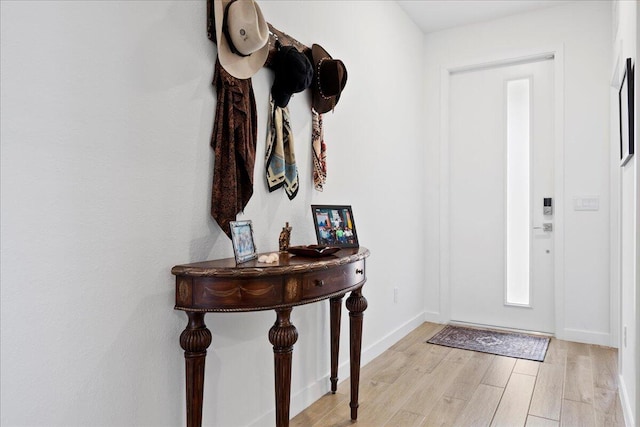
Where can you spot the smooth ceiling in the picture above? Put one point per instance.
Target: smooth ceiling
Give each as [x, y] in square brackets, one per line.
[435, 15]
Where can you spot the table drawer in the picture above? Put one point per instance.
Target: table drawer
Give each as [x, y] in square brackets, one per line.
[236, 294]
[325, 282]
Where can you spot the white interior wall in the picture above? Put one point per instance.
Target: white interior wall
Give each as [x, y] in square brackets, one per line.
[627, 212]
[581, 30]
[107, 111]
[106, 172]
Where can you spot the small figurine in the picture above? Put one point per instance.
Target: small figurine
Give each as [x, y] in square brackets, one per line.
[285, 236]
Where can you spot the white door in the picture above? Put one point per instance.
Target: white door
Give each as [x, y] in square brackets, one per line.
[501, 147]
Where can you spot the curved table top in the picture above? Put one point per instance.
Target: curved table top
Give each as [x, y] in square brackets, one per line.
[287, 264]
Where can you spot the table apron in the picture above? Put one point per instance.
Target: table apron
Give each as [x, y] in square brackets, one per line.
[223, 294]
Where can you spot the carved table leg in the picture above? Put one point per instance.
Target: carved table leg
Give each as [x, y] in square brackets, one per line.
[283, 335]
[356, 304]
[335, 306]
[194, 340]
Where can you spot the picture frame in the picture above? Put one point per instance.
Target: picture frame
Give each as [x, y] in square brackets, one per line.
[335, 225]
[625, 103]
[244, 247]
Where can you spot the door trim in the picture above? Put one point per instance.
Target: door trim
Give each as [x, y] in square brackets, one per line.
[558, 235]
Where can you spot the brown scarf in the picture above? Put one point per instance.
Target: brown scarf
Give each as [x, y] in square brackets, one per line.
[235, 133]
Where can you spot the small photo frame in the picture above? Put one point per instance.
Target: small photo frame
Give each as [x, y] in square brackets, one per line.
[335, 226]
[244, 247]
[625, 102]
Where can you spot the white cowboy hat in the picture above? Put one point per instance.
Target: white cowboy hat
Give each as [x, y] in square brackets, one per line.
[242, 36]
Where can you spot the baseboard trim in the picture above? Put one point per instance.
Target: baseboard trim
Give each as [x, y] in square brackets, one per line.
[432, 316]
[302, 399]
[384, 343]
[587, 337]
[627, 411]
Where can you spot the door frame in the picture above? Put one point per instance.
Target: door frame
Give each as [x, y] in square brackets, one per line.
[557, 52]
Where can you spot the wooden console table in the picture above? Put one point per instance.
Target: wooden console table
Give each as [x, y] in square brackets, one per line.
[223, 286]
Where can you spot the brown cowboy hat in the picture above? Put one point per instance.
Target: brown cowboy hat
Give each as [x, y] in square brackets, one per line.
[242, 36]
[329, 79]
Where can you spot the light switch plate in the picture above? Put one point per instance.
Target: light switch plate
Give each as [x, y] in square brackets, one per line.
[589, 203]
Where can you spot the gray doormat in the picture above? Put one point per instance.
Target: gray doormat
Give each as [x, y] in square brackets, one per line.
[509, 344]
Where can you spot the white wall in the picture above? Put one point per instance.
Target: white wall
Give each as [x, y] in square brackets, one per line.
[581, 32]
[627, 213]
[107, 111]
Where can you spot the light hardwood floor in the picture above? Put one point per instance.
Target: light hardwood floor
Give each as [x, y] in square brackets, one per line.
[419, 384]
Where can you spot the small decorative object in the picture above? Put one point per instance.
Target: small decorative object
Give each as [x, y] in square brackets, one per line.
[242, 238]
[313, 251]
[269, 259]
[285, 236]
[334, 226]
[625, 99]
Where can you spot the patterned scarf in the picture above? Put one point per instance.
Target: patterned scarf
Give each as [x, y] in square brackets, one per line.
[319, 152]
[235, 132]
[280, 158]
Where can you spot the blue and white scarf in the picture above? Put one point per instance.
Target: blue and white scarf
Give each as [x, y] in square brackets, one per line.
[280, 158]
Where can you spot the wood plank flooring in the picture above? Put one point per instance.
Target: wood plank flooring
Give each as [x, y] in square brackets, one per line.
[415, 384]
